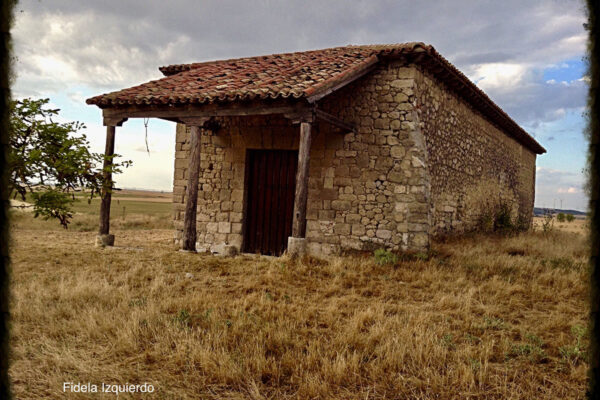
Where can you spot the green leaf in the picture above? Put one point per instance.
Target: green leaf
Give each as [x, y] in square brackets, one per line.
[52, 160]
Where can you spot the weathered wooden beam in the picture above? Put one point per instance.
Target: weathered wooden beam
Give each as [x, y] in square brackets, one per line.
[176, 120]
[105, 239]
[113, 121]
[191, 121]
[368, 66]
[301, 195]
[191, 205]
[303, 115]
[332, 119]
[179, 113]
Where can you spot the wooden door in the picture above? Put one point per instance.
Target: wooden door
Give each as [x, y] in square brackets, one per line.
[270, 187]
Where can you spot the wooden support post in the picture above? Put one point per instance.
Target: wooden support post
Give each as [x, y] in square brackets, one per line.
[299, 221]
[104, 237]
[189, 219]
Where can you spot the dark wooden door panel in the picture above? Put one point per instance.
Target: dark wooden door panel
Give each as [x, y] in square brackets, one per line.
[270, 186]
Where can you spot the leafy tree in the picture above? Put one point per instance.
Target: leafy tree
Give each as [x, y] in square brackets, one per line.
[560, 217]
[570, 217]
[50, 161]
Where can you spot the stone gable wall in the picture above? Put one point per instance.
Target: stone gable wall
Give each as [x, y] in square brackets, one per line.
[367, 189]
[472, 163]
[377, 182]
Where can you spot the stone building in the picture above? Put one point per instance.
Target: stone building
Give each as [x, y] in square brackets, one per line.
[344, 149]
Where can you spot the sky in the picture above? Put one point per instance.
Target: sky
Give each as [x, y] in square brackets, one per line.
[528, 56]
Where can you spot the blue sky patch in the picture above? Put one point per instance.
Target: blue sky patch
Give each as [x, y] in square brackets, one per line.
[568, 71]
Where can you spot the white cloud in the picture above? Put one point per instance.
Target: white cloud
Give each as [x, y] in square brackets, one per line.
[558, 113]
[70, 48]
[570, 190]
[495, 75]
[57, 50]
[554, 186]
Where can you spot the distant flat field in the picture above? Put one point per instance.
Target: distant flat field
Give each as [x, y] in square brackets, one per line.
[143, 195]
[578, 225]
[147, 195]
[129, 202]
[130, 209]
[119, 196]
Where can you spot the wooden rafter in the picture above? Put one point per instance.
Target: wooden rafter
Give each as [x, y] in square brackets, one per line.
[332, 119]
[367, 67]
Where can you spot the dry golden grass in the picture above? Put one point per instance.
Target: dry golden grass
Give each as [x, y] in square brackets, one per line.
[483, 317]
[579, 225]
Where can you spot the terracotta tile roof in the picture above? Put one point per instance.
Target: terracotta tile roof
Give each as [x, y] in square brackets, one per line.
[296, 75]
[273, 76]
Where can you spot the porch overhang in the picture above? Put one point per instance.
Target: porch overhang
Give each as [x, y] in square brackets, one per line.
[293, 110]
[201, 117]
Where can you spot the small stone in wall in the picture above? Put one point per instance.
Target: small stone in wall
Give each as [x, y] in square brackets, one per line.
[401, 83]
[383, 233]
[417, 162]
[397, 151]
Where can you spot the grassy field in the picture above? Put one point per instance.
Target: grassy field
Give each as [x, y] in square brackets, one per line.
[481, 317]
[130, 209]
[123, 207]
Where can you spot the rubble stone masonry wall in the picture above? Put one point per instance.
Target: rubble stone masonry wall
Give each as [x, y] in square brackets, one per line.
[367, 190]
[222, 172]
[419, 158]
[472, 163]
